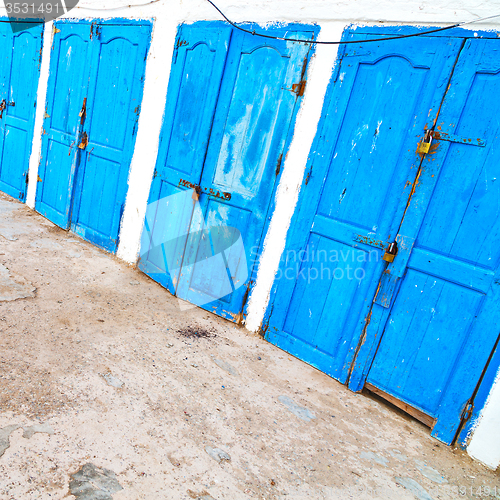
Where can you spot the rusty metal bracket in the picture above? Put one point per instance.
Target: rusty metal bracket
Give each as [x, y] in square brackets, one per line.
[199, 190]
[83, 111]
[299, 88]
[3, 106]
[443, 136]
[95, 31]
[368, 240]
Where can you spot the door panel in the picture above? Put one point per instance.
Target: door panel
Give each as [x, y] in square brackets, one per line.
[443, 323]
[67, 88]
[252, 120]
[230, 106]
[193, 89]
[93, 105]
[114, 102]
[362, 167]
[20, 71]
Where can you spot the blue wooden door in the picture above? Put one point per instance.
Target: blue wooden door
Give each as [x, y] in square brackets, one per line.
[193, 90]
[359, 176]
[93, 105]
[231, 135]
[66, 94]
[115, 95]
[20, 55]
[438, 305]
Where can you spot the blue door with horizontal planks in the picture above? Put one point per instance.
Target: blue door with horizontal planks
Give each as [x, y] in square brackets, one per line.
[20, 55]
[437, 310]
[231, 105]
[419, 321]
[93, 105]
[358, 178]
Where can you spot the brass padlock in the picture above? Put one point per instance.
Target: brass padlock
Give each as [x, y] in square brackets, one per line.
[390, 253]
[424, 145]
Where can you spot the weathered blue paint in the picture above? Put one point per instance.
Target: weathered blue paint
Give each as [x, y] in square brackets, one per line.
[359, 176]
[20, 55]
[85, 188]
[230, 107]
[442, 325]
[420, 328]
[197, 68]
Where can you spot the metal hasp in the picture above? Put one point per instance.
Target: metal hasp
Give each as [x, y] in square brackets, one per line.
[443, 136]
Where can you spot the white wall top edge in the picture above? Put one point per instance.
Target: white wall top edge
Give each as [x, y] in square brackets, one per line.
[304, 11]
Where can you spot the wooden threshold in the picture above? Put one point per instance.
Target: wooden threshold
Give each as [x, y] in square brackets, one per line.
[411, 410]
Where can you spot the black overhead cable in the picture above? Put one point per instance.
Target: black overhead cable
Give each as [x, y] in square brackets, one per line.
[397, 37]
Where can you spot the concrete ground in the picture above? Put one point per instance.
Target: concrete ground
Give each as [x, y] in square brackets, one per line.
[109, 391]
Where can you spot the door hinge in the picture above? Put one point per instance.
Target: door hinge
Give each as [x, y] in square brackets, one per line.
[467, 413]
[179, 43]
[278, 165]
[299, 88]
[55, 30]
[95, 31]
[308, 175]
[27, 176]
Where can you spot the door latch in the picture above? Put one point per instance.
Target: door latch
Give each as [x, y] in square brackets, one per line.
[196, 193]
[84, 142]
[424, 145]
[3, 106]
[390, 252]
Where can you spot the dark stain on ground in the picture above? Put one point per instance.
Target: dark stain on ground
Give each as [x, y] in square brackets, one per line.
[196, 332]
[56, 230]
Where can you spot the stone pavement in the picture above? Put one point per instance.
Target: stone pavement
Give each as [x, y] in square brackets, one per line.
[109, 391]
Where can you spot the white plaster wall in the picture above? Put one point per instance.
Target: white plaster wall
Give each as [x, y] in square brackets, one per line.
[333, 17]
[485, 443]
[40, 111]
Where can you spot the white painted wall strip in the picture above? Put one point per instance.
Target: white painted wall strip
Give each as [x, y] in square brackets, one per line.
[485, 443]
[146, 148]
[318, 76]
[40, 113]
